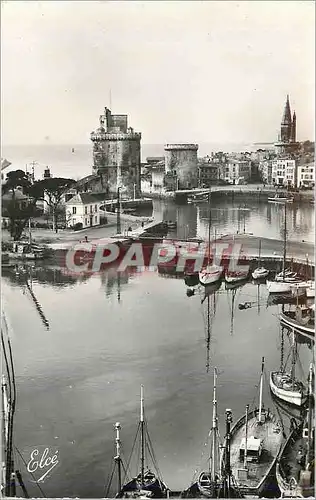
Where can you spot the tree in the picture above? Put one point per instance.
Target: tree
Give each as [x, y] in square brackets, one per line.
[18, 209]
[51, 191]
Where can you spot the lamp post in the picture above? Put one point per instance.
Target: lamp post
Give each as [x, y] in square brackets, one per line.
[118, 214]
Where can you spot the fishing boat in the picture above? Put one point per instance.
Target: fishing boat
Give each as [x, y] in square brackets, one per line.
[255, 442]
[260, 272]
[216, 481]
[295, 468]
[280, 199]
[283, 383]
[301, 319]
[146, 483]
[304, 288]
[282, 282]
[210, 273]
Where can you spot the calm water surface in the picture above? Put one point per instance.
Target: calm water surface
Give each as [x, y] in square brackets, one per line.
[110, 333]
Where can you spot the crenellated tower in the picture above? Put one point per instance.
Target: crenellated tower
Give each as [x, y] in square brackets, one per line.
[117, 154]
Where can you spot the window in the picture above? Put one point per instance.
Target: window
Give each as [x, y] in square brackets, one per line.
[85, 210]
[85, 221]
[95, 208]
[96, 219]
[90, 209]
[74, 210]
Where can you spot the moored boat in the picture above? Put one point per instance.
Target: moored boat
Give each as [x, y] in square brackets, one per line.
[260, 272]
[302, 320]
[216, 480]
[283, 383]
[255, 442]
[211, 272]
[295, 468]
[146, 483]
[280, 199]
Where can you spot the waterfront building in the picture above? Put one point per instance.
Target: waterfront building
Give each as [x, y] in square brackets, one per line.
[208, 173]
[265, 171]
[117, 155]
[84, 209]
[284, 172]
[287, 137]
[306, 175]
[181, 161]
[238, 171]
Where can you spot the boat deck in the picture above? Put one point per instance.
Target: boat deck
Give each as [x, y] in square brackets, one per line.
[271, 434]
[290, 468]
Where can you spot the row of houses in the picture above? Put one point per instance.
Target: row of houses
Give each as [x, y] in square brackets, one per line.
[288, 172]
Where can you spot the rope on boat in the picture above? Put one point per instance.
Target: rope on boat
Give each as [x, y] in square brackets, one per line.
[31, 474]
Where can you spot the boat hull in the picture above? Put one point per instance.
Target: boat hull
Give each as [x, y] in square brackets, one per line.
[298, 327]
[235, 278]
[278, 287]
[260, 273]
[287, 483]
[209, 275]
[293, 397]
[258, 480]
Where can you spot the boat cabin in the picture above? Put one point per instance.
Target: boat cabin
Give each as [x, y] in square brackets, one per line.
[254, 449]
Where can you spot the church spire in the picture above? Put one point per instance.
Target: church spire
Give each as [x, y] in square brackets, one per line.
[287, 119]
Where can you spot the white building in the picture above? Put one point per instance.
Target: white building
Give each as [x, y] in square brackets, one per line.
[306, 175]
[83, 208]
[284, 172]
[238, 170]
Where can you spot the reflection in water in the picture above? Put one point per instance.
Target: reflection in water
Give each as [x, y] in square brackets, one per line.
[261, 219]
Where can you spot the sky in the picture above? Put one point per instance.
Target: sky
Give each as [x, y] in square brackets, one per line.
[215, 72]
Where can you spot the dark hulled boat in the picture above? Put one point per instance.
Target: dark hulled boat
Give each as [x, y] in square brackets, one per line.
[146, 483]
[256, 440]
[295, 469]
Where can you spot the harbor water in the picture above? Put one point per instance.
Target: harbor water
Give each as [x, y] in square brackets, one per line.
[80, 372]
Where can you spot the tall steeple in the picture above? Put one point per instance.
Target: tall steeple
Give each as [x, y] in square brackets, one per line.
[286, 123]
[287, 119]
[293, 128]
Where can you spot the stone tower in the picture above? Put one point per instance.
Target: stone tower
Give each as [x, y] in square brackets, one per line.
[181, 159]
[287, 138]
[116, 154]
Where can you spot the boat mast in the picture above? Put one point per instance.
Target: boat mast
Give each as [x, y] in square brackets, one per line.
[261, 388]
[284, 243]
[310, 419]
[229, 419]
[209, 229]
[117, 458]
[142, 435]
[294, 354]
[214, 429]
[259, 254]
[208, 339]
[282, 351]
[246, 437]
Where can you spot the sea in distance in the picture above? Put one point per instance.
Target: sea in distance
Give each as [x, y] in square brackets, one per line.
[75, 161]
[80, 372]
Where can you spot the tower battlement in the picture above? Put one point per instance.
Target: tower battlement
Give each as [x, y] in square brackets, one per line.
[113, 136]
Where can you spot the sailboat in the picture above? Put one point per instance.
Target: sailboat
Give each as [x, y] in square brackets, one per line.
[295, 469]
[216, 481]
[260, 272]
[146, 483]
[210, 273]
[256, 440]
[282, 282]
[234, 275]
[301, 319]
[284, 384]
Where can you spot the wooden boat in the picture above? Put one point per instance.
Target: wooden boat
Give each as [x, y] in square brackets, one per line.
[295, 469]
[283, 383]
[280, 199]
[302, 320]
[146, 483]
[215, 481]
[282, 282]
[255, 443]
[211, 273]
